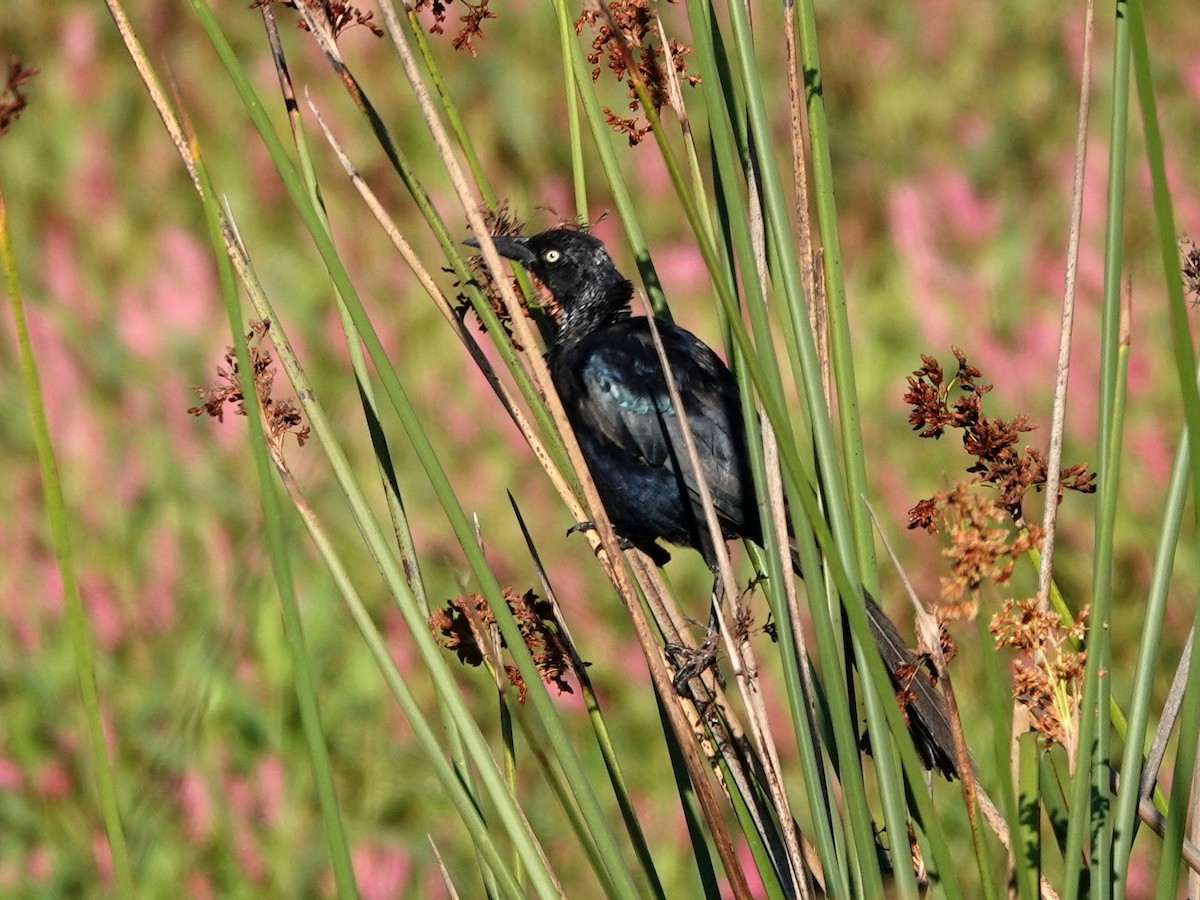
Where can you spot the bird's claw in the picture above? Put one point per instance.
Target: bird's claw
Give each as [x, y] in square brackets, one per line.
[622, 542]
[691, 663]
[580, 527]
[591, 526]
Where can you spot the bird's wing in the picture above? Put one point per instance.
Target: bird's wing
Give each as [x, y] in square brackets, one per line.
[628, 403]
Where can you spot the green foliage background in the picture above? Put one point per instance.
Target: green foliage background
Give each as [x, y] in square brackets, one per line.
[952, 134]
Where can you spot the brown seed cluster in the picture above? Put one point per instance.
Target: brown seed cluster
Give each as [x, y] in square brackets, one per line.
[337, 15]
[472, 22]
[628, 38]
[1191, 268]
[281, 416]
[466, 625]
[983, 547]
[13, 100]
[502, 221]
[1047, 672]
[938, 404]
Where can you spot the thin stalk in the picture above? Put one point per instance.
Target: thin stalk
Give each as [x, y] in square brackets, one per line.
[804, 244]
[508, 743]
[675, 95]
[450, 779]
[358, 363]
[772, 871]
[869, 662]
[427, 456]
[277, 548]
[451, 891]
[567, 40]
[602, 138]
[1099, 646]
[1089, 764]
[798, 679]
[1141, 695]
[562, 793]
[461, 136]
[750, 688]
[692, 814]
[451, 245]
[1193, 881]
[433, 659]
[1053, 793]
[1062, 370]
[540, 450]
[1027, 846]
[1167, 720]
[435, 665]
[388, 477]
[850, 521]
[1000, 706]
[595, 716]
[78, 626]
[728, 167]
[1185, 760]
[1185, 366]
[930, 646]
[733, 759]
[841, 350]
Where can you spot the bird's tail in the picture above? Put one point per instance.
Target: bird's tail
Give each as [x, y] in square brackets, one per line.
[922, 703]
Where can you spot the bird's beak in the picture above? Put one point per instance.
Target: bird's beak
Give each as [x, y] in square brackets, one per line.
[511, 246]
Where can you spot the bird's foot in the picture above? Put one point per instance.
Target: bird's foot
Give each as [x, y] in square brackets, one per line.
[580, 527]
[691, 663]
[656, 553]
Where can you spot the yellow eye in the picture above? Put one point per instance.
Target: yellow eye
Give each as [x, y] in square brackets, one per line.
[552, 256]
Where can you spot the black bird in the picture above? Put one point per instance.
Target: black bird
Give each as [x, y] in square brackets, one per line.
[608, 374]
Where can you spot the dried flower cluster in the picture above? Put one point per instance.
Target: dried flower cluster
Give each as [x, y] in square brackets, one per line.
[281, 417]
[980, 550]
[991, 440]
[627, 36]
[503, 222]
[12, 99]
[1191, 268]
[500, 222]
[472, 26]
[338, 15]
[1048, 673]
[466, 625]
[1047, 670]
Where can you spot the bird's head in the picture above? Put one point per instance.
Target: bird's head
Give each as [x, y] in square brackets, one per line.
[577, 270]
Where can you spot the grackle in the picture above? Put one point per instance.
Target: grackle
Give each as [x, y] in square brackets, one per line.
[610, 379]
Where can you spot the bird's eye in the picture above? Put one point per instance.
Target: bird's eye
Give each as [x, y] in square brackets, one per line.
[552, 256]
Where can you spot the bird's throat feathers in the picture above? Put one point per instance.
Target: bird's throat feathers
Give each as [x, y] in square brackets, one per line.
[595, 305]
